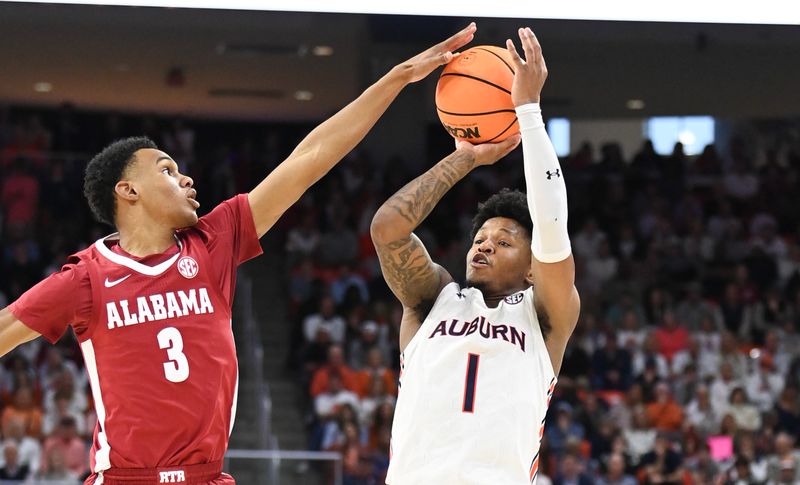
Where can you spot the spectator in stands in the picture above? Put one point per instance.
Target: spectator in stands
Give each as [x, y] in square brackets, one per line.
[746, 447]
[341, 410]
[730, 354]
[303, 240]
[362, 343]
[572, 472]
[586, 243]
[375, 368]
[744, 413]
[622, 308]
[348, 279]
[29, 451]
[23, 408]
[701, 466]
[12, 469]
[54, 364]
[706, 363]
[19, 197]
[62, 408]
[563, 429]
[339, 245]
[787, 411]
[672, 336]
[55, 470]
[701, 413]
[764, 384]
[664, 413]
[325, 319]
[66, 443]
[335, 365]
[663, 465]
[784, 460]
[63, 384]
[611, 366]
[615, 475]
[693, 309]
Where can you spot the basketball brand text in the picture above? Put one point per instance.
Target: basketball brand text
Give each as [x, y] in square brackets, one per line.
[467, 133]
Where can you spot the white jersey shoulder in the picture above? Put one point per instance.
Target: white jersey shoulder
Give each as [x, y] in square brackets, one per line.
[474, 389]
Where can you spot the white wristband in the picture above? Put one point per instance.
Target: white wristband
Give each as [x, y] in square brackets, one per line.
[529, 116]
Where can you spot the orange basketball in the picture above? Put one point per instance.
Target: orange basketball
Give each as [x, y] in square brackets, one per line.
[473, 96]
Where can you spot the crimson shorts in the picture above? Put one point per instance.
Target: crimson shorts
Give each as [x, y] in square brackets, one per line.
[203, 474]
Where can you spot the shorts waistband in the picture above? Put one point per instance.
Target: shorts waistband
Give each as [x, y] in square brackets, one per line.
[186, 474]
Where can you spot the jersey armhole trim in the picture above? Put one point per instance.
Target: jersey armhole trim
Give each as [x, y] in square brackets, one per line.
[535, 317]
[435, 302]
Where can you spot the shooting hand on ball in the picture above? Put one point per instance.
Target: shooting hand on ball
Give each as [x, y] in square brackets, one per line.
[489, 153]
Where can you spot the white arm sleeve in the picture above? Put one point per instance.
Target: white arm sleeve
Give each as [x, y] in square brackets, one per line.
[547, 193]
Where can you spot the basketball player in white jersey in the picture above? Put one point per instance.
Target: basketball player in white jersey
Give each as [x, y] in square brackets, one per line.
[479, 364]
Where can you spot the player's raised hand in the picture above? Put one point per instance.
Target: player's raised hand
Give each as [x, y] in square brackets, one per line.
[425, 62]
[530, 72]
[489, 153]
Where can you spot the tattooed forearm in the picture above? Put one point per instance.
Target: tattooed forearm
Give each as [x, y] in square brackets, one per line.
[406, 265]
[418, 198]
[409, 271]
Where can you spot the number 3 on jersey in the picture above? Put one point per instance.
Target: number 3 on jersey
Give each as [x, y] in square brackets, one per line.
[176, 369]
[470, 382]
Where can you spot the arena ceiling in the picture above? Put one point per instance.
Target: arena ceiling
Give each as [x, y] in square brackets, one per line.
[264, 65]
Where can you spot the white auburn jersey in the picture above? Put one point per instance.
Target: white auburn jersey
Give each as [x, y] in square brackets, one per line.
[475, 384]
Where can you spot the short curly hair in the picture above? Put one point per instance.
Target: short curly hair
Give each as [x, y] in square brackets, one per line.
[105, 170]
[512, 204]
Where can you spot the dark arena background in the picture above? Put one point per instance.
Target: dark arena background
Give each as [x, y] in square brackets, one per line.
[680, 146]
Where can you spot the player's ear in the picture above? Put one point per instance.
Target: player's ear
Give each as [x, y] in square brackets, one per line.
[126, 190]
[529, 275]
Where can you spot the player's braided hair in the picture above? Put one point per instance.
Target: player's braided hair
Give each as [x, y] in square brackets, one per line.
[104, 171]
[507, 203]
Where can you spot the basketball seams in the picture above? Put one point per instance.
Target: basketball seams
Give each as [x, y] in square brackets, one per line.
[476, 114]
[473, 96]
[497, 56]
[501, 133]
[475, 78]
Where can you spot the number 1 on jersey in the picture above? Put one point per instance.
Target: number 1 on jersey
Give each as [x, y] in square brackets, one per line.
[470, 382]
[176, 369]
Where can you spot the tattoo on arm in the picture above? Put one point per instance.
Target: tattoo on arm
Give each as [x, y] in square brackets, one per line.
[407, 267]
[409, 271]
[418, 198]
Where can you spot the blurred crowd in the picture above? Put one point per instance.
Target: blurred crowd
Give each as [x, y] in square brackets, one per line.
[684, 367]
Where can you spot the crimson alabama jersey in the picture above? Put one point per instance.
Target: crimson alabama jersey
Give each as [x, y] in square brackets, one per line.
[156, 338]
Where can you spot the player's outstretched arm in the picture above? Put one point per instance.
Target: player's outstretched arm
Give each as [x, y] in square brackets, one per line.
[407, 267]
[13, 332]
[333, 139]
[557, 300]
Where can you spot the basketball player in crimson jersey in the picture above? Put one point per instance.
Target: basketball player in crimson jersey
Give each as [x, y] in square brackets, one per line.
[479, 364]
[151, 304]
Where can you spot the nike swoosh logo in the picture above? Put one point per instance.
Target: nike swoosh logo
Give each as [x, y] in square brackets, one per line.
[109, 284]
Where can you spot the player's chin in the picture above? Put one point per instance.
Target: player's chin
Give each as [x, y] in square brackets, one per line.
[477, 278]
[188, 220]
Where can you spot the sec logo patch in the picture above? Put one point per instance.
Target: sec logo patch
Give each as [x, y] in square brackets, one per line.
[188, 267]
[514, 299]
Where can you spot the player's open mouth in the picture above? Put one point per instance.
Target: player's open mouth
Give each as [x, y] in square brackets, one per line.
[480, 261]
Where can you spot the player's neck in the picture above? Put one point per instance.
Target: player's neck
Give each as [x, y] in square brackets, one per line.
[141, 240]
[492, 300]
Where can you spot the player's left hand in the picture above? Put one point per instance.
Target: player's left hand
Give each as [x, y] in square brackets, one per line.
[529, 73]
[489, 153]
[419, 66]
